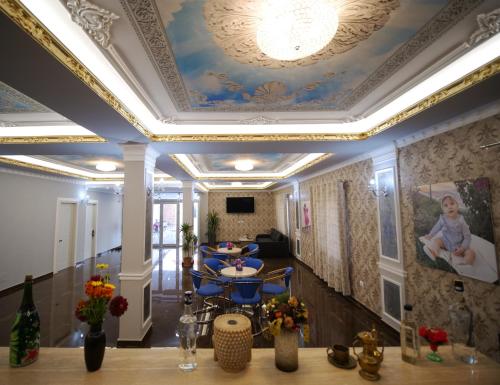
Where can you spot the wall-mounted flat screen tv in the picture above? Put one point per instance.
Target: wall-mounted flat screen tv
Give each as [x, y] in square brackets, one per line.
[240, 205]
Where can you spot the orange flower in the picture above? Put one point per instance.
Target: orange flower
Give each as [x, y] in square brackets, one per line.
[96, 289]
[289, 322]
[277, 314]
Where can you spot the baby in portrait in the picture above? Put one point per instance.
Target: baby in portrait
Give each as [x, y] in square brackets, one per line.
[456, 235]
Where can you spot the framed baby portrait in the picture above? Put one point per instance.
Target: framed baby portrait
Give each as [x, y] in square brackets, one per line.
[454, 230]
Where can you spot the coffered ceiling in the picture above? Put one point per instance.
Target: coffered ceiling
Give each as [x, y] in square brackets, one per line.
[188, 76]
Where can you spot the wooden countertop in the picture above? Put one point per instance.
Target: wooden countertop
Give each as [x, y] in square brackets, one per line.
[65, 366]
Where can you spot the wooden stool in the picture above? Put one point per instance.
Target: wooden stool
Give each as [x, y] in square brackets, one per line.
[232, 341]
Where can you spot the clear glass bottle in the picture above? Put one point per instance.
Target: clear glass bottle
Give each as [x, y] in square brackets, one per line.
[25, 332]
[187, 335]
[462, 328]
[410, 343]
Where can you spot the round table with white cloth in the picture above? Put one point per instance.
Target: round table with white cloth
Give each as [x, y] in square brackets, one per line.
[231, 272]
[234, 252]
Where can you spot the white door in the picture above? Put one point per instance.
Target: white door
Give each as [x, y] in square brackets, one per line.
[90, 230]
[65, 248]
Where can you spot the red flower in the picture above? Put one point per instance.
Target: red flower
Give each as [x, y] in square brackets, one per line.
[435, 336]
[422, 331]
[96, 278]
[79, 311]
[118, 306]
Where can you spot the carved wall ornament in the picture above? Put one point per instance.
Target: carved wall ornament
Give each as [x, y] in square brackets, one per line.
[4, 123]
[489, 25]
[259, 120]
[96, 21]
[233, 25]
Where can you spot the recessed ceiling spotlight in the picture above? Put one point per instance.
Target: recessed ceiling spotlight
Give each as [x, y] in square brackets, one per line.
[294, 29]
[105, 166]
[243, 165]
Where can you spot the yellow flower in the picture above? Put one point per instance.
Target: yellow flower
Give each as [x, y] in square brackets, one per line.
[96, 283]
[110, 286]
[102, 266]
[275, 326]
[306, 333]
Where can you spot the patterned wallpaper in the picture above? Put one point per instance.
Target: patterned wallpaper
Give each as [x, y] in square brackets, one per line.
[454, 155]
[363, 238]
[234, 226]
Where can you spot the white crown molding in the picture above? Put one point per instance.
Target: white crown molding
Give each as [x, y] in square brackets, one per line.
[456, 122]
[451, 124]
[259, 120]
[96, 21]
[288, 185]
[489, 25]
[41, 176]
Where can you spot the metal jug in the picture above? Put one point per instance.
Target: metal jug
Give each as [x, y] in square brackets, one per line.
[370, 358]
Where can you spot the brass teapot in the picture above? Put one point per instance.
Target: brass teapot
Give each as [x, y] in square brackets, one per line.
[370, 358]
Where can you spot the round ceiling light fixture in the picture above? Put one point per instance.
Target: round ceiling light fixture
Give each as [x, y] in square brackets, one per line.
[243, 165]
[294, 29]
[105, 166]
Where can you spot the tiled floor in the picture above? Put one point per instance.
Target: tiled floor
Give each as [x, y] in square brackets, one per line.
[333, 318]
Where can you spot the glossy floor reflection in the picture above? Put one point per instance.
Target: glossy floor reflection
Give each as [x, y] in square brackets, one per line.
[333, 318]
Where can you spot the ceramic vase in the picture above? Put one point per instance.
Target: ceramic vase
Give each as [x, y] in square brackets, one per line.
[95, 344]
[286, 350]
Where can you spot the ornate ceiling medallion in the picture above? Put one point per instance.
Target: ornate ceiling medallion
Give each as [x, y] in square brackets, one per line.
[235, 26]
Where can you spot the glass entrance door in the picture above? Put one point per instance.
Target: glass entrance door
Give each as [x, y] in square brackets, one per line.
[166, 223]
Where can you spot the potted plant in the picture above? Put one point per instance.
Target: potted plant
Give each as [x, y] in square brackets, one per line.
[99, 291]
[213, 222]
[189, 241]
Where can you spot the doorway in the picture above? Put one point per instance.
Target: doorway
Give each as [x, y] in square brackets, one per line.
[167, 217]
[65, 234]
[89, 250]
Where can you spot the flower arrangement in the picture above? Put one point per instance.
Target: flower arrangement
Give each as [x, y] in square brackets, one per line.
[230, 245]
[238, 263]
[435, 337]
[288, 313]
[100, 297]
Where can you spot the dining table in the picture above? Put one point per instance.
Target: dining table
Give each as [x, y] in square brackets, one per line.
[231, 272]
[233, 252]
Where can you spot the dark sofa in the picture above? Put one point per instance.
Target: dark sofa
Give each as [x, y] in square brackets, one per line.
[273, 245]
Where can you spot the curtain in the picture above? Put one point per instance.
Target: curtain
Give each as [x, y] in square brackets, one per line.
[330, 252]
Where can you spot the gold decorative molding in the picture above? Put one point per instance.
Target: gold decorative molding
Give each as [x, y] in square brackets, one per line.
[50, 139]
[235, 188]
[18, 13]
[467, 81]
[246, 178]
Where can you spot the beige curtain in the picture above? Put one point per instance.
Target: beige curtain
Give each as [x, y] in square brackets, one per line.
[330, 247]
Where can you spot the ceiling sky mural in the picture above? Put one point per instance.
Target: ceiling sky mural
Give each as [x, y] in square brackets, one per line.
[219, 71]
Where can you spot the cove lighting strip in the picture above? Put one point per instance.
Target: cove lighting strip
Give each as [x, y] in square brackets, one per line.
[44, 165]
[189, 166]
[57, 20]
[253, 186]
[35, 131]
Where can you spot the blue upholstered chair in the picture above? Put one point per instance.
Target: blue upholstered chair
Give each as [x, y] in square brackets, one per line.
[247, 291]
[205, 251]
[256, 263]
[213, 266]
[220, 256]
[251, 250]
[280, 275]
[209, 292]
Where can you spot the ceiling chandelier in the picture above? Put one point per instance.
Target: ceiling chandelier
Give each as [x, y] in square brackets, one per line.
[294, 29]
[243, 165]
[105, 166]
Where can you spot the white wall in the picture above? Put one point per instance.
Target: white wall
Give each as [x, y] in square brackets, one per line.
[27, 223]
[109, 220]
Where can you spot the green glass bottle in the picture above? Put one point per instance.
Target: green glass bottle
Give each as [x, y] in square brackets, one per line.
[25, 333]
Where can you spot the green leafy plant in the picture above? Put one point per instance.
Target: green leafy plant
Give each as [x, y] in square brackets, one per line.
[189, 241]
[213, 223]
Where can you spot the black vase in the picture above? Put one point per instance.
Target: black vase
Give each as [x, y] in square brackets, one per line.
[95, 343]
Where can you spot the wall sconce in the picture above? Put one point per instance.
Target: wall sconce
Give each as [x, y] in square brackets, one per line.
[378, 192]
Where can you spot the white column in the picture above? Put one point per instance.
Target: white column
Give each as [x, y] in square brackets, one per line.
[136, 264]
[187, 202]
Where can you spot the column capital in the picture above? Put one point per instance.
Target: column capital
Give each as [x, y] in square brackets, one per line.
[139, 152]
[187, 184]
